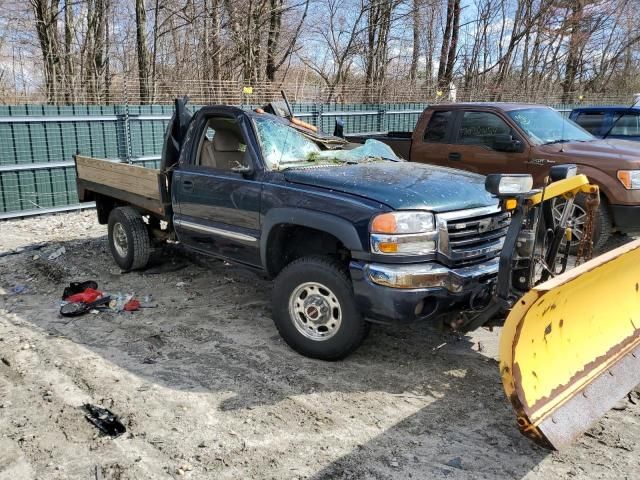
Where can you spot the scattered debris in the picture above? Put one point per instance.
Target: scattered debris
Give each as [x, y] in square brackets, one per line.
[104, 420]
[78, 287]
[88, 295]
[19, 250]
[57, 253]
[455, 462]
[18, 289]
[435, 349]
[148, 302]
[132, 305]
[74, 309]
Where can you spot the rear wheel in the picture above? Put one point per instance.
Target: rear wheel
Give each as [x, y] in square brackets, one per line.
[128, 238]
[314, 309]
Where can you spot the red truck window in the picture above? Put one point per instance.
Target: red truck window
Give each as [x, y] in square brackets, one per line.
[437, 127]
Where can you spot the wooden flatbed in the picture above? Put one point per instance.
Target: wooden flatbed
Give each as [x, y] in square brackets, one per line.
[145, 188]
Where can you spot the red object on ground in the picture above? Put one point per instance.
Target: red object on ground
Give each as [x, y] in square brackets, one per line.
[132, 305]
[87, 296]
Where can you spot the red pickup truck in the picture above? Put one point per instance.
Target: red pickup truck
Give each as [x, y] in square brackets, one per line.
[524, 138]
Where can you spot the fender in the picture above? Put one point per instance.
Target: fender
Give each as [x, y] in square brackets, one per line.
[597, 177]
[340, 228]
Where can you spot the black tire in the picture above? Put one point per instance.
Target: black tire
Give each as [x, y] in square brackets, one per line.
[352, 328]
[603, 225]
[133, 253]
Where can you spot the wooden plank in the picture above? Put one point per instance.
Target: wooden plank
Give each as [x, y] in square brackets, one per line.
[130, 178]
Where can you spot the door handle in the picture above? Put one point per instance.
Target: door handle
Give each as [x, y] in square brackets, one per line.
[187, 185]
[455, 156]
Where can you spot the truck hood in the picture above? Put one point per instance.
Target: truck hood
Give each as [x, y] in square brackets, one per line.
[400, 185]
[597, 150]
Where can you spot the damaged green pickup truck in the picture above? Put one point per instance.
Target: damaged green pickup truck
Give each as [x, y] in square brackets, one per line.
[350, 233]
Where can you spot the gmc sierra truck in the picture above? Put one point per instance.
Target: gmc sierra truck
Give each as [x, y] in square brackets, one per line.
[351, 233]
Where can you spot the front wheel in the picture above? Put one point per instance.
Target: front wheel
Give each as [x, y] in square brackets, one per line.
[602, 221]
[314, 309]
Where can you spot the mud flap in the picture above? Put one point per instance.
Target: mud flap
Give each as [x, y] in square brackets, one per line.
[570, 348]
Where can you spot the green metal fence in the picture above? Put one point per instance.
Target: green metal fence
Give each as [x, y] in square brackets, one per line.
[37, 143]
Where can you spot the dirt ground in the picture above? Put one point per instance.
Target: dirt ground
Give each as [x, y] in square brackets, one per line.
[207, 389]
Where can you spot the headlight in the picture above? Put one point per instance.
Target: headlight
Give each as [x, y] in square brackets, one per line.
[630, 179]
[403, 222]
[499, 184]
[403, 233]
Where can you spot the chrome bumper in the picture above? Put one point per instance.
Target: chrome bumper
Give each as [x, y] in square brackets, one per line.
[429, 275]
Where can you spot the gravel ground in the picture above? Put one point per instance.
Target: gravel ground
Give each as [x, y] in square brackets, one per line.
[207, 389]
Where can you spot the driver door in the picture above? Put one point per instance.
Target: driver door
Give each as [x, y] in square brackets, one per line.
[219, 193]
[474, 145]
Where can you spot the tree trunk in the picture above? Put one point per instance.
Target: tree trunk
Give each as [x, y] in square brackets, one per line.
[143, 53]
[446, 40]
[453, 46]
[415, 54]
[68, 61]
[275, 21]
[573, 54]
[46, 15]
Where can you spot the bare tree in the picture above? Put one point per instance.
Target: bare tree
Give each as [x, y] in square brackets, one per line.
[142, 51]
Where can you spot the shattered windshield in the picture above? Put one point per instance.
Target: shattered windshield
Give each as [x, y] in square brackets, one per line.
[284, 147]
[546, 126]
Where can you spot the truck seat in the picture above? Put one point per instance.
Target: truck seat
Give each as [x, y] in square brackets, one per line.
[207, 157]
[227, 150]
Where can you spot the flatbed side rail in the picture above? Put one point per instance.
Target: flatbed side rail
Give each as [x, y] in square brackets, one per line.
[133, 184]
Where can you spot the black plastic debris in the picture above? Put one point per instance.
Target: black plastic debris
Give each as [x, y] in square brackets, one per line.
[104, 420]
[77, 287]
[74, 309]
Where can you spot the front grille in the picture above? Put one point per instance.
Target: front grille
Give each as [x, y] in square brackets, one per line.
[475, 238]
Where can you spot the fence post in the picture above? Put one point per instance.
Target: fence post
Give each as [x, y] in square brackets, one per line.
[317, 115]
[127, 127]
[381, 114]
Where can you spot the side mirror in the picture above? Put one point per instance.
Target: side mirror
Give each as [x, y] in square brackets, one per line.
[505, 142]
[338, 130]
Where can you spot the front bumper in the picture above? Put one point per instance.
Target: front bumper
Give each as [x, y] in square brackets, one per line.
[406, 293]
[626, 218]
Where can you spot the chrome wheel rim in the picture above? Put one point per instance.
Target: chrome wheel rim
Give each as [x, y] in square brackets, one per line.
[120, 240]
[576, 220]
[315, 311]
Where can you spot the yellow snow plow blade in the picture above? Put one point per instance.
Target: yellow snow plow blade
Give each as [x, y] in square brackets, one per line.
[570, 347]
